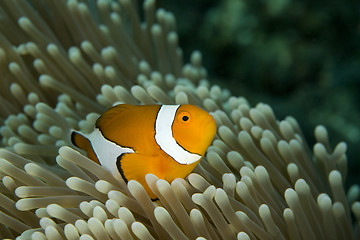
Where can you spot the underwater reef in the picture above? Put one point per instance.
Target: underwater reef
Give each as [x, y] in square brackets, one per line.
[63, 63]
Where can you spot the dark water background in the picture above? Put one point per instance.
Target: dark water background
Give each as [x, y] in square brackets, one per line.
[301, 57]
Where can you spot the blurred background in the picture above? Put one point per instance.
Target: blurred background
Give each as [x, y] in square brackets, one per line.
[301, 57]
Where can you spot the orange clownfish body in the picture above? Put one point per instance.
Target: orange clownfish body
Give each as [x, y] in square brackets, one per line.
[165, 140]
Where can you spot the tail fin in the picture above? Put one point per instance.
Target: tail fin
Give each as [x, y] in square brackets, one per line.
[80, 141]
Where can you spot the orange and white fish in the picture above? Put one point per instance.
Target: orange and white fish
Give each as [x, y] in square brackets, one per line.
[165, 140]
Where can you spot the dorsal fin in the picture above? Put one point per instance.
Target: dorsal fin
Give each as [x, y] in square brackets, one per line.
[112, 113]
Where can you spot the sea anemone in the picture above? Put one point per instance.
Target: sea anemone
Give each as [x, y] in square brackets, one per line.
[65, 62]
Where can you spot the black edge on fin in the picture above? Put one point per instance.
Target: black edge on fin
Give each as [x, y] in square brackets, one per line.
[118, 164]
[97, 124]
[72, 137]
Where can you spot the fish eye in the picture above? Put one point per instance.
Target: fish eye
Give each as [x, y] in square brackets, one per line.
[184, 117]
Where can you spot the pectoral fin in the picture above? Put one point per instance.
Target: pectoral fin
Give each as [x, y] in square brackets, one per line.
[82, 142]
[133, 166]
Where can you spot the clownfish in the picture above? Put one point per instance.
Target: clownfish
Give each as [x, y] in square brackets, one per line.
[133, 140]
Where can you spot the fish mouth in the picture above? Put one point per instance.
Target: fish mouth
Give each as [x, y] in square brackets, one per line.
[210, 121]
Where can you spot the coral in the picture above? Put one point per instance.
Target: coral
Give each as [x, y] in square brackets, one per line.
[64, 62]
